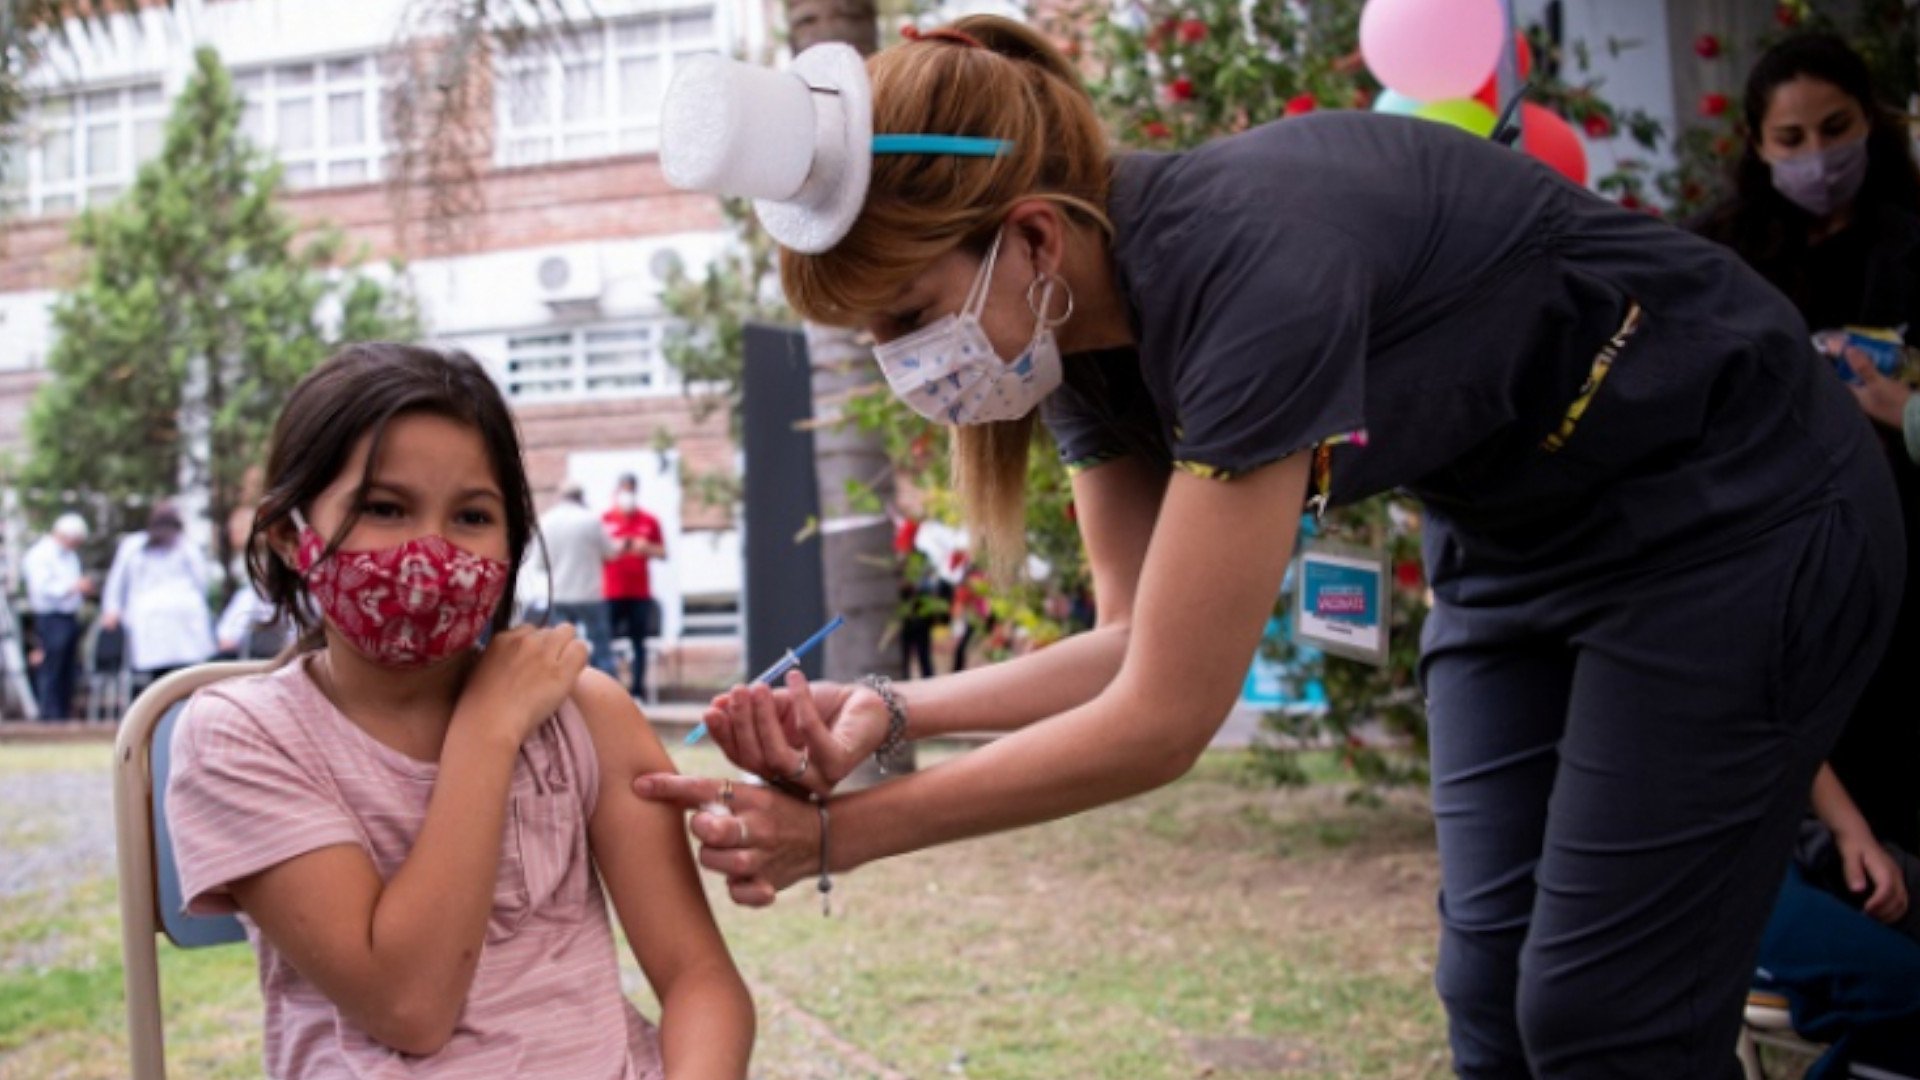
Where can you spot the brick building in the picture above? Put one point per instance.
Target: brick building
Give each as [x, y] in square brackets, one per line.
[553, 282]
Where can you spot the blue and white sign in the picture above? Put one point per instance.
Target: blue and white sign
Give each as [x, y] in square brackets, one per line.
[1341, 602]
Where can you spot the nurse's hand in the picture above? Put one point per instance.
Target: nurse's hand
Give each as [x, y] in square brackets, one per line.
[805, 735]
[759, 839]
[1884, 400]
[1868, 866]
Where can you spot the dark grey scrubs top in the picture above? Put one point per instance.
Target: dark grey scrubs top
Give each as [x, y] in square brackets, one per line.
[1348, 272]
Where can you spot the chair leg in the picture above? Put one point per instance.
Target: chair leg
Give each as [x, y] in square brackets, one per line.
[1749, 1055]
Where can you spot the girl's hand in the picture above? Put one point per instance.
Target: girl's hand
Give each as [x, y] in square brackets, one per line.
[1881, 398]
[808, 736]
[1867, 865]
[522, 677]
[760, 840]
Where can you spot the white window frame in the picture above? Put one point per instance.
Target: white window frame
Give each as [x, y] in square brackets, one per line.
[133, 117]
[316, 82]
[588, 362]
[604, 50]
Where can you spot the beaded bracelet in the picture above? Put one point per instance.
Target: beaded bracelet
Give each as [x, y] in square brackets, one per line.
[896, 717]
[825, 884]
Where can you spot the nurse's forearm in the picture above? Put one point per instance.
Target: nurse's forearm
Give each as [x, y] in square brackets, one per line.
[1088, 757]
[1010, 695]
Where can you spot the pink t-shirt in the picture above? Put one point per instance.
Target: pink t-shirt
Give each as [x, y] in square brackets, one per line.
[265, 769]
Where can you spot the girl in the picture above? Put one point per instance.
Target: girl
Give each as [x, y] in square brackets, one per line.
[1663, 547]
[416, 831]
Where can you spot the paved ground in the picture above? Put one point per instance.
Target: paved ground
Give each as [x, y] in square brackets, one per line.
[68, 817]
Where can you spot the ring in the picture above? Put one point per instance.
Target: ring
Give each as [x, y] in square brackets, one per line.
[799, 772]
[726, 792]
[744, 835]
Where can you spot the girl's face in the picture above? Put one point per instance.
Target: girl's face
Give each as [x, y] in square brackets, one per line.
[942, 288]
[1806, 115]
[433, 478]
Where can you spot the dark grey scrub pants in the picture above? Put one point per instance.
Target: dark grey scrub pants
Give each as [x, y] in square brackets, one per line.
[1618, 771]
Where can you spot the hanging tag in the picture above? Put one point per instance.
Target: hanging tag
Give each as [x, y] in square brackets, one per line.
[1340, 604]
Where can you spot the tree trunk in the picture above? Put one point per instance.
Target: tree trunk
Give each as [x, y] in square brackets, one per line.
[856, 546]
[856, 543]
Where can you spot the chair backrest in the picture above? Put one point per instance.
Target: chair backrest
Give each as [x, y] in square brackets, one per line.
[149, 879]
[186, 931]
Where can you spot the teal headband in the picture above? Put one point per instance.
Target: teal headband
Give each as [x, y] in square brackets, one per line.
[955, 145]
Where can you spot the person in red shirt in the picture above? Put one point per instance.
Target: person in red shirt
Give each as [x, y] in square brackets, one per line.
[626, 585]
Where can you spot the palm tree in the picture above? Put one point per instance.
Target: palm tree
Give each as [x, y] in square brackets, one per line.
[30, 29]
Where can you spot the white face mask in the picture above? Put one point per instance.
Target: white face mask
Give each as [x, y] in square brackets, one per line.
[626, 502]
[949, 372]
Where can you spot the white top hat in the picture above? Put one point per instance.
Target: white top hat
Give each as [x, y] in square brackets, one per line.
[799, 142]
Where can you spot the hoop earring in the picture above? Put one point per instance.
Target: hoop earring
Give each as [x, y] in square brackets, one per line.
[1033, 304]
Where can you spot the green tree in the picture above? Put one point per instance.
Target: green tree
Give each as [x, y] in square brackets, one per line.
[195, 312]
[711, 313]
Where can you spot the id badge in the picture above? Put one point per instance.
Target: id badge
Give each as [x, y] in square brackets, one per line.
[1340, 605]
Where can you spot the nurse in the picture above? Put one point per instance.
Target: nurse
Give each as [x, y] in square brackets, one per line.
[1664, 548]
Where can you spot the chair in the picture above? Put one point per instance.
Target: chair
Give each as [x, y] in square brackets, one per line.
[103, 654]
[150, 898]
[1767, 1023]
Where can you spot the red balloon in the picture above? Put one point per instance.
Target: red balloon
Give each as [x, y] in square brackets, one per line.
[1551, 139]
[1488, 95]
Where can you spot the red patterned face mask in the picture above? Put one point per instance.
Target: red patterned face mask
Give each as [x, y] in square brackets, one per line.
[406, 606]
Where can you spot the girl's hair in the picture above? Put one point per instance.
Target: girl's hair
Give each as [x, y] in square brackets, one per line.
[1765, 227]
[358, 392]
[982, 76]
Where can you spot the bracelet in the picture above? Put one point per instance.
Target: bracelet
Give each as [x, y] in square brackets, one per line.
[825, 884]
[896, 717]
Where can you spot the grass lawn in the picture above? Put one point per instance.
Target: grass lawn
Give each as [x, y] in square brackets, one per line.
[1213, 929]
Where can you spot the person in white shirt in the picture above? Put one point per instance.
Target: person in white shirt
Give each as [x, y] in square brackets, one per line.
[157, 588]
[574, 546]
[247, 629]
[56, 586]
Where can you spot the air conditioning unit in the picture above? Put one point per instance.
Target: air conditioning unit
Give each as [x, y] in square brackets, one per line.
[570, 282]
[665, 262]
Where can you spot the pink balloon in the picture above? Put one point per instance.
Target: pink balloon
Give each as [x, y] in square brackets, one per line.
[1551, 139]
[1432, 50]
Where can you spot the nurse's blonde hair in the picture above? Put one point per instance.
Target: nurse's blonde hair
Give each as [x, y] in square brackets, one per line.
[982, 76]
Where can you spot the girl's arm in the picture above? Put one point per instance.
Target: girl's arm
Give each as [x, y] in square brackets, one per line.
[1212, 572]
[706, 1014]
[397, 957]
